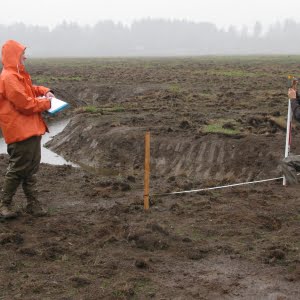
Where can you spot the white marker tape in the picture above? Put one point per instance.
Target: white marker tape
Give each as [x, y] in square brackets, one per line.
[218, 187]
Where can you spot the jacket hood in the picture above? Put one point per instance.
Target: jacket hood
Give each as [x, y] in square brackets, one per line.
[11, 53]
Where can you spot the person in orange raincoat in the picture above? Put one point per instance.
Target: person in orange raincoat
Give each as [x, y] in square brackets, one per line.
[22, 126]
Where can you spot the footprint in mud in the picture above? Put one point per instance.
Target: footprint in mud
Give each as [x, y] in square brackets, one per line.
[274, 255]
[53, 251]
[197, 253]
[11, 238]
[151, 239]
[27, 251]
[141, 264]
[151, 243]
[270, 223]
[79, 281]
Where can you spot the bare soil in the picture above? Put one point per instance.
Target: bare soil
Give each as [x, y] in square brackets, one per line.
[98, 242]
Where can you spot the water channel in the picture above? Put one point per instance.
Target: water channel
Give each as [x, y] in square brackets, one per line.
[48, 156]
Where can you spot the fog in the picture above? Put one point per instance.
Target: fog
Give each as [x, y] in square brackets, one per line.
[153, 37]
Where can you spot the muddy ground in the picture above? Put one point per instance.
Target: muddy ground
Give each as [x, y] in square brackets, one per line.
[213, 121]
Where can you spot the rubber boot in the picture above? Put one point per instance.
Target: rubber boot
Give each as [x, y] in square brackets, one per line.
[34, 207]
[9, 189]
[6, 212]
[290, 166]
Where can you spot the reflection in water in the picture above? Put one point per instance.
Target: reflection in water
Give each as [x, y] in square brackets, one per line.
[48, 156]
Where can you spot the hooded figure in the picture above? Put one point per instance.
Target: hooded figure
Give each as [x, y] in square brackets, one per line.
[22, 126]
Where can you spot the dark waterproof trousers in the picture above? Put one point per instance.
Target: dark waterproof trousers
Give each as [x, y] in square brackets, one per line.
[24, 161]
[290, 166]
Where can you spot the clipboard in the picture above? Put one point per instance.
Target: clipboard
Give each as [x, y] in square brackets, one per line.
[57, 105]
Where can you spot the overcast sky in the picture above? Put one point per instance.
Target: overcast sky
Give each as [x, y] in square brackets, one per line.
[220, 12]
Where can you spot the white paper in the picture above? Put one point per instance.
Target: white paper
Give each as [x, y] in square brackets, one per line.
[57, 105]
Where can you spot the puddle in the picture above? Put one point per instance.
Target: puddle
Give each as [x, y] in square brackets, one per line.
[48, 156]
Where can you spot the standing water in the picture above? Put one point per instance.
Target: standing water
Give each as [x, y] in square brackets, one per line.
[48, 156]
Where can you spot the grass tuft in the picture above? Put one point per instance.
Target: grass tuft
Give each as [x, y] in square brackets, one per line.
[220, 127]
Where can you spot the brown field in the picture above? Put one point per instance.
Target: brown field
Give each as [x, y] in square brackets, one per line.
[213, 121]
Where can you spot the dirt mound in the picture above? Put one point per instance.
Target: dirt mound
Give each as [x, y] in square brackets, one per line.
[115, 145]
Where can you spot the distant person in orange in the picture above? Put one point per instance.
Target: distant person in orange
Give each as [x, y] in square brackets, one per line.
[22, 126]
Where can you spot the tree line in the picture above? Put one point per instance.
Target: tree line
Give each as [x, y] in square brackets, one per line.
[153, 37]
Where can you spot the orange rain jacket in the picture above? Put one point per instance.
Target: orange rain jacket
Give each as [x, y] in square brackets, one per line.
[20, 107]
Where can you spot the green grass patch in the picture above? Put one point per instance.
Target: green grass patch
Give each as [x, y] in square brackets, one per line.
[114, 109]
[238, 73]
[227, 127]
[174, 88]
[234, 73]
[45, 79]
[90, 109]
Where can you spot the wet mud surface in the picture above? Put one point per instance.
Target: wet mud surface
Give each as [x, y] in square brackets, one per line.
[98, 242]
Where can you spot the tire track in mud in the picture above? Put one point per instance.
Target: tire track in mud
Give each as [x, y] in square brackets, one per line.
[215, 158]
[191, 159]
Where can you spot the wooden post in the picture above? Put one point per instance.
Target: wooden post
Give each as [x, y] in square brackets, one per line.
[147, 171]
